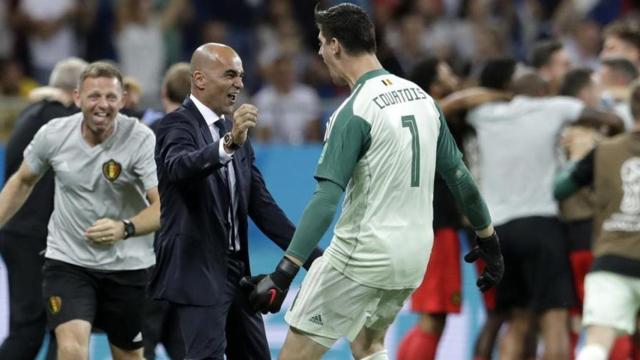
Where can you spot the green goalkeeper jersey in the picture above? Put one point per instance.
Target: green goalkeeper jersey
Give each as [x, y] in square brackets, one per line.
[382, 145]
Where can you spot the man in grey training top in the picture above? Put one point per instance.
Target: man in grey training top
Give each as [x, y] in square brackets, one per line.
[106, 205]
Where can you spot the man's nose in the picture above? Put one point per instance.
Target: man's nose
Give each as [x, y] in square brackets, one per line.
[239, 83]
[102, 101]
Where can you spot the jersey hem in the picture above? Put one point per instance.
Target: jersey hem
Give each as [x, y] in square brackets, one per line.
[336, 265]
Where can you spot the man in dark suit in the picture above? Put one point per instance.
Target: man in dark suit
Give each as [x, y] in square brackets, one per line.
[210, 185]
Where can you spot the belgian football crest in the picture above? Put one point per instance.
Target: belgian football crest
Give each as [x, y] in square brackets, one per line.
[55, 303]
[111, 170]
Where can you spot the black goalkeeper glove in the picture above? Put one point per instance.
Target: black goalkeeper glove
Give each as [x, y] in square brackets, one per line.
[488, 249]
[267, 292]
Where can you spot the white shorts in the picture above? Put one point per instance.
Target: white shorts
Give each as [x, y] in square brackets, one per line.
[329, 306]
[611, 300]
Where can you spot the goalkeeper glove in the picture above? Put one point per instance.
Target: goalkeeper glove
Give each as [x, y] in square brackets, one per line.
[488, 249]
[267, 292]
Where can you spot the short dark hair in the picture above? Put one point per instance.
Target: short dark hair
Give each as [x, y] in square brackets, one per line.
[425, 72]
[622, 67]
[101, 69]
[627, 30]
[543, 51]
[634, 100]
[574, 81]
[350, 25]
[498, 73]
[177, 82]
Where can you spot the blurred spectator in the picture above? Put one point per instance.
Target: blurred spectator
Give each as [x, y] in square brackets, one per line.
[622, 39]
[214, 31]
[495, 81]
[579, 83]
[318, 77]
[100, 33]
[436, 77]
[6, 36]
[140, 40]
[134, 92]
[238, 19]
[176, 86]
[289, 112]
[406, 39]
[280, 34]
[385, 54]
[497, 73]
[140, 45]
[478, 35]
[13, 80]
[614, 77]
[51, 29]
[582, 41]
[383, 11]
[551, 61]
[174, 16]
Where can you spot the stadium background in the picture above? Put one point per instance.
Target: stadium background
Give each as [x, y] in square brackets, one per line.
[288, 171]
[465, 32]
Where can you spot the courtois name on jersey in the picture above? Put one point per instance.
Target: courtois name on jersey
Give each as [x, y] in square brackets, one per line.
[394, 97]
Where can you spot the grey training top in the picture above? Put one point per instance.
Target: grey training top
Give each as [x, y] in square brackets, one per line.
[108, 180]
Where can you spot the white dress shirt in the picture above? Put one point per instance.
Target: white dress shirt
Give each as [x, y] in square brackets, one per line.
[210, 117]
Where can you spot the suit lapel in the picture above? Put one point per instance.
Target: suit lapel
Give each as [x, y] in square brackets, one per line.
[202, 126]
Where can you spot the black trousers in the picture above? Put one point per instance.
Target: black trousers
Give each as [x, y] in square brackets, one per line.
[160, 325]
[230, 327]
[23, 258]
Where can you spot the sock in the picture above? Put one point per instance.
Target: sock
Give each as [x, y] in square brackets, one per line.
[380, 355]
[622, 348]
[592, 352]
[573, 343]
[418, 345]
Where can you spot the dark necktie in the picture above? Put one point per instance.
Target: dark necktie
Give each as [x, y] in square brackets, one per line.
[219, 125]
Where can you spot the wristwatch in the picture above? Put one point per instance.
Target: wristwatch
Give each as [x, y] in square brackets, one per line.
[228, 142]
[129, 229]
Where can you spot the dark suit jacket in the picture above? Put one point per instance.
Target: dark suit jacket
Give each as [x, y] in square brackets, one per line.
[191, 246]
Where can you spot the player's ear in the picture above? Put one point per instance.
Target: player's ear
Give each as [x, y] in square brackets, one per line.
[335, 46]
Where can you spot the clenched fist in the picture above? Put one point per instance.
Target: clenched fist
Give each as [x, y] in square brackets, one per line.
[244, 118]
[105, 231]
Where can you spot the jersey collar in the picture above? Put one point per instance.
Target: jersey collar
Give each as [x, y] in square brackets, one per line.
[369, 75]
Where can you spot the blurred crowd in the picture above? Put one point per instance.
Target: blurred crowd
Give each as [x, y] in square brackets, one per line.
[277, 41]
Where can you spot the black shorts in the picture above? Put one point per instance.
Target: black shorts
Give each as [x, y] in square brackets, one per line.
[111, 301]
[579, 234]
[537, 272]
